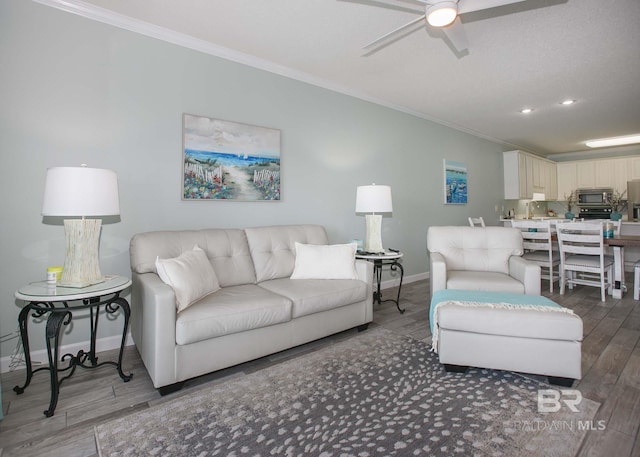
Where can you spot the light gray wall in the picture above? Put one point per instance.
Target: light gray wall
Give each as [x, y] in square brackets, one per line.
[76, 91]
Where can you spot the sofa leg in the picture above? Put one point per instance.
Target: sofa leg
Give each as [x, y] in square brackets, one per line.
[455, 368]
[562, 382]
[363, 327]
[171, 388]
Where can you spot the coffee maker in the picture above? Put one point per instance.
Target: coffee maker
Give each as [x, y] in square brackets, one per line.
[633, 199]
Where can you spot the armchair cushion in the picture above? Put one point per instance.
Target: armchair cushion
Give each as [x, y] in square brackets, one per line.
[483, 280]
[480, 258]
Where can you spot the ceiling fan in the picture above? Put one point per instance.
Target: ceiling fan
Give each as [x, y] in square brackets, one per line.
[442, 14]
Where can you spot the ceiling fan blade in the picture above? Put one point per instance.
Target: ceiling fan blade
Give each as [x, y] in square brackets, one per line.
[400, 5]
[467, 6]
[386, 36]
[456, 35]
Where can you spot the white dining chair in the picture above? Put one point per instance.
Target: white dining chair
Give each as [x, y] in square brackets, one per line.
[539, 247]
[476, 221]
[582, 257]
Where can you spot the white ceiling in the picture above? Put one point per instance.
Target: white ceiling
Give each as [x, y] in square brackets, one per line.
[531, 54]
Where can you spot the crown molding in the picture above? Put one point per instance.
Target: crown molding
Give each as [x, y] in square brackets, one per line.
[106, 16]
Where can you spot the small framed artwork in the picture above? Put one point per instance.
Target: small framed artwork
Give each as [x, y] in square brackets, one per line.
[455, 182]
[225, 160]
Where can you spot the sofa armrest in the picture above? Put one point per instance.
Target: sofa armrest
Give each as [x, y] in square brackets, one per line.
[528, 273]
[437, 272]
[153, 315]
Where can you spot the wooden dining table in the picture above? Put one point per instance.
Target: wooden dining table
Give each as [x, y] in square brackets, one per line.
[618, 243]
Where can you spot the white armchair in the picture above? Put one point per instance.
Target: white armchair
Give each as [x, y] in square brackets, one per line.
[480, 258]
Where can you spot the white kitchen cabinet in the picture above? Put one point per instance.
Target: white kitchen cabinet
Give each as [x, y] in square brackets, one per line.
[603, 171]
[586, 174]
[597, 173]
[551, 180]
[515, 175]
[525, 174]
[621, 172]
[567, 179]
[634, 168]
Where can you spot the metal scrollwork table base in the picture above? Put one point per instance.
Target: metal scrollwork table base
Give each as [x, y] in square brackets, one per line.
[48, 300]
[385, 260]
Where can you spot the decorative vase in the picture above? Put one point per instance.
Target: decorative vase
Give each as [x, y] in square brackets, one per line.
[569, 215]
[616, 216]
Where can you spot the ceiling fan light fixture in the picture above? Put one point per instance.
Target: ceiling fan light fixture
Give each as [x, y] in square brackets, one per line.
[442, 14]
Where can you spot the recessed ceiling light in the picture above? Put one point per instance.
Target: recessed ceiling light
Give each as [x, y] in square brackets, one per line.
[568, 102]
[526, 110]
[615, 141]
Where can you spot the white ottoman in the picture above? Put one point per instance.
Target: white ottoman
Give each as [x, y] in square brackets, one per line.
[505, 331]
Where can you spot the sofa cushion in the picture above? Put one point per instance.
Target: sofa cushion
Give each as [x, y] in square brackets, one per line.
[311, 296]
[473, 248]
[226, 249]
[327, 261]
[231, 310]
[483, 280]
[273, 248]
[190, 275]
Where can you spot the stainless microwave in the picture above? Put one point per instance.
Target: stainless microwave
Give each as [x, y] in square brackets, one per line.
[594, 197]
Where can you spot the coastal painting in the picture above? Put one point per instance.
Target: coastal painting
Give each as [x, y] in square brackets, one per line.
[455, 182]
[226, 160]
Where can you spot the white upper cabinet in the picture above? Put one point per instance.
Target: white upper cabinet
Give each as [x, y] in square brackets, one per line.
[634, 168]
[567, 178]
[597, 173]
[551, 180]
[515, 175]
[586, 174]
[525, 174]
[621, 173]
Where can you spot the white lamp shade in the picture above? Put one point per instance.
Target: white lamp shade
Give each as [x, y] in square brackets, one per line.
[80, 191]
[373, 199]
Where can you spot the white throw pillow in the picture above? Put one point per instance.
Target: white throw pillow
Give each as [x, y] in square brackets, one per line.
[190, 275]
[325, 261]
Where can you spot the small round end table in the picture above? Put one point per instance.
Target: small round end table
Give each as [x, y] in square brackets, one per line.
[46, 299]
[386, 259]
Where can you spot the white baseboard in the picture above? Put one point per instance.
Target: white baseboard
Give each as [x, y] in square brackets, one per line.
[406, 280]
[40, 357]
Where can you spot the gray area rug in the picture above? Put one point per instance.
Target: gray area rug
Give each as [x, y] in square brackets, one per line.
[376, 394]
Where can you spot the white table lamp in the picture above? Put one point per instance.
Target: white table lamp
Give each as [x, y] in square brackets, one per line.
[373, 199]
[73, 192]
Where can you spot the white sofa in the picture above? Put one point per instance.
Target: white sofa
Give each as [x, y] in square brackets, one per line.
[258, 311]
[480, 258]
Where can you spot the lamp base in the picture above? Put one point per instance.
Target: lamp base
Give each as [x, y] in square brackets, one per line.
[81, 263]
[373, 240]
